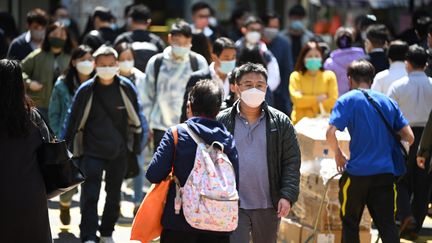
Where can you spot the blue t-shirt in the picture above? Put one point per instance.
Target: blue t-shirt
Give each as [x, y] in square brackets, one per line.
[371, 142]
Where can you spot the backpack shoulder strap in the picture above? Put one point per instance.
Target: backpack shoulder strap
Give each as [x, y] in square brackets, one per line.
[193, 61]
[191, 133]
[157, 66]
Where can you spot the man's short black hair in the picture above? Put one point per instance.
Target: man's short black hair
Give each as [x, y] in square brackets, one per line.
[206, 98]
[377, 34]
[252, 20]
[269, 16]
[430, 29]
[140, 13]
[397, 50]
[200, 5]
[104, 14]
[181, 27]
[250, 68]
[222, 43]
[361, 71]
[38, 16]
[417, 56]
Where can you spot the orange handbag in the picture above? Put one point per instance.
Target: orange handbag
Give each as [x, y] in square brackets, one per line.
[147, 223]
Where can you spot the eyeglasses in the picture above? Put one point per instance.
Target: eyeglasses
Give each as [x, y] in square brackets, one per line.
[261, 85]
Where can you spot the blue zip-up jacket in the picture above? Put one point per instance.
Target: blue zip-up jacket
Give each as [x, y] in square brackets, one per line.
[160, 167]
[80, 108]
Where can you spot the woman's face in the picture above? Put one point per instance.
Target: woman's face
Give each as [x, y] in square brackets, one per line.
[86, 57]
[58, 33]
[126, 56]
[312, 53]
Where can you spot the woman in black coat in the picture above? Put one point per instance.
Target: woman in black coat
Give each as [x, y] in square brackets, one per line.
[23, 203]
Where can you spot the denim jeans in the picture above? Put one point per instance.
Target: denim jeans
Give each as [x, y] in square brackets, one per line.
[138, 181]
[93, 169]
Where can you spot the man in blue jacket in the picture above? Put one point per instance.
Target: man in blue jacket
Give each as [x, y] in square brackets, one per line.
[103, 124]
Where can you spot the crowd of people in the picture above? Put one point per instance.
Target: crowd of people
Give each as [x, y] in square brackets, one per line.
[110, 91]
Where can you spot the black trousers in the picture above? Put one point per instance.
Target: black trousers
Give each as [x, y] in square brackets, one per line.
[173, 236]
[378, 193]
[414, 190]
[157, 137]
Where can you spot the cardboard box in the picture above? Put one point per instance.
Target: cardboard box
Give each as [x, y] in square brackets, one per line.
[289, 231]
[311, 134]
[334, 236]
[312, 190]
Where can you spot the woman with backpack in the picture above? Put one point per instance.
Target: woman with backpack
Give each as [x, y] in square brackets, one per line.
[204, 103]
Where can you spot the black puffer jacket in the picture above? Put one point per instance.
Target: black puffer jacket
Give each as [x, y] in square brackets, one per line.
[283, 153]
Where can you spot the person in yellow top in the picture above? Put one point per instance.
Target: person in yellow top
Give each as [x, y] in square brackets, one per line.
[310, 85]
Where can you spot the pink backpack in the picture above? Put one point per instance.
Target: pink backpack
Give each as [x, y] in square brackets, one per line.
[209, 198]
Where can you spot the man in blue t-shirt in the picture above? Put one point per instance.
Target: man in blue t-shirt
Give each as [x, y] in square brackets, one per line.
[368, 178]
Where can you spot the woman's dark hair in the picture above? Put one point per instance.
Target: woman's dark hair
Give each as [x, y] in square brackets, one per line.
[201, 45]
[124, 46]
[206, 98]
[361, 71]
[15, 105]
[300, 66]
[71, 74]
[344, 38]
[252, 55]
[46, 46]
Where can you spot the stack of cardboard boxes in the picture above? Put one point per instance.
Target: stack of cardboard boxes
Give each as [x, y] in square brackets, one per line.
[318, 167]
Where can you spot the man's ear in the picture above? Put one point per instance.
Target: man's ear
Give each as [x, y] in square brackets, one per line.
[243, 30]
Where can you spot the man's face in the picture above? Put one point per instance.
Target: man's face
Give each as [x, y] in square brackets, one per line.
[274, 23]
[37, 31]
[201, 18]
[106, 61]
[250, 81]
[226, 55]
[255, 27]
[180, 40]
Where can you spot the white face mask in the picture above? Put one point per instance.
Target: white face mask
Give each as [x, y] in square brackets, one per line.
[252, 97]
[85, 67]
[126, 66]
[107, 73]
[180, 51]
[253, 37]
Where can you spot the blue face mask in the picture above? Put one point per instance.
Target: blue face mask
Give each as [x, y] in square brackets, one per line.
[180, 51]
[227, 66]
[313, 63]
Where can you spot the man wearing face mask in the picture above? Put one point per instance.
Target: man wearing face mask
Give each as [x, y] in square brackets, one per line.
[297, 32]
[24, 44]
[252, 30]
[224, 61]
[167, 74]
[104, 121]
[269, 158]
[280, 46]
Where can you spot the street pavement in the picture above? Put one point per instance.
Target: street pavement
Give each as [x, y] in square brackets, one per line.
[70, 234]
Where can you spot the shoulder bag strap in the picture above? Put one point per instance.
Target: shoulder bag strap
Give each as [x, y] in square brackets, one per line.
[387, 124]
